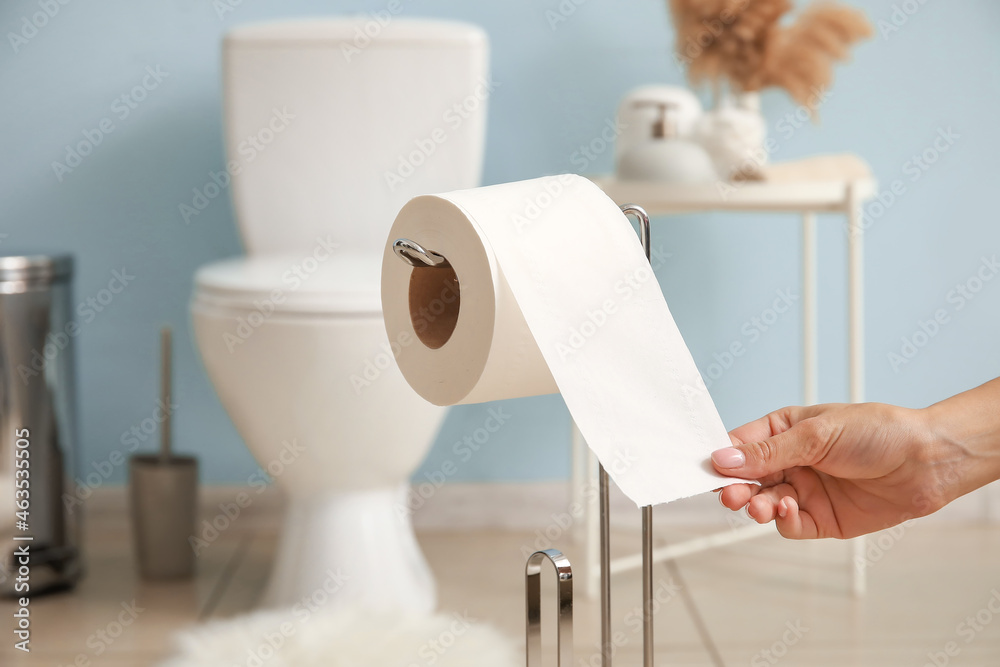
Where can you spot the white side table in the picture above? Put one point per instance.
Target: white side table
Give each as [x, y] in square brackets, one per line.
[838, 184]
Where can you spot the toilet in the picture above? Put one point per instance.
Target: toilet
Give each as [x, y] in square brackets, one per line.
[331, 126]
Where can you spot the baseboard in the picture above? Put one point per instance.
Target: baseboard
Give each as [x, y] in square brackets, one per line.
[113, 500]
[530, 506]
[534, 505]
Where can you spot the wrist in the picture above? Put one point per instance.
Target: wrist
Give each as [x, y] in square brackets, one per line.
[964, 440]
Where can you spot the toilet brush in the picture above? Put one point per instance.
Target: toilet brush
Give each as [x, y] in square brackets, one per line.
[164, 495]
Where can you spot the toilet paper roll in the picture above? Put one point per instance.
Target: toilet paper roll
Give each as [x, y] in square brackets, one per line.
[546, 289]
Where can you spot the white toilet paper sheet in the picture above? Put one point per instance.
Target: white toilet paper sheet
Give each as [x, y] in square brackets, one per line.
[551, 292]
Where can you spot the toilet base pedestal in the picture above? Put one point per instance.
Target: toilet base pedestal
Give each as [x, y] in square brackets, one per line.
[350, 549]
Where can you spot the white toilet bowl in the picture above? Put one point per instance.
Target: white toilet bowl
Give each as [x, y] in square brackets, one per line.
[331, 126]
[305, 372]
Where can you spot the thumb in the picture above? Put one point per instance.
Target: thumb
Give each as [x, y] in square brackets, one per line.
[755, 460]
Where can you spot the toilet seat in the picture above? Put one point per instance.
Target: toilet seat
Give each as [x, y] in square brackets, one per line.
[292, 286]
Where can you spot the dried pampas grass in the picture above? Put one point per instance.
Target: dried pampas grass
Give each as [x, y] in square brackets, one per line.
[802, 57]
[742, 42]
[726, 39]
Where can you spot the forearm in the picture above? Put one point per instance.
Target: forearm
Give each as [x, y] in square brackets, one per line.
[966, 430]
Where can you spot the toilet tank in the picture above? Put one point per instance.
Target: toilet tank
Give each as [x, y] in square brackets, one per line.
[332, 125]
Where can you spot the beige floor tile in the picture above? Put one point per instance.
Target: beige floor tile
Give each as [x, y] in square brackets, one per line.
[923, 584]
[245, 583]
[921, 587]
[113, 614]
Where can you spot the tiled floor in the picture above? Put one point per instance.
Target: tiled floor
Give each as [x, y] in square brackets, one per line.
[757, 603]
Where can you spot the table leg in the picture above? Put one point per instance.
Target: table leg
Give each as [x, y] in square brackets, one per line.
[579, 462]
[592, 588]
[587, 529]
[810, 327]
[856, 276]
[856, 348]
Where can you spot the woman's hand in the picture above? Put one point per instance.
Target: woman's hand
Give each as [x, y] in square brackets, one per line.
[843, 470]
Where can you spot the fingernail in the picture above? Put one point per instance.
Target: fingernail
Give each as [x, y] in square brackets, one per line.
[730, 457]
[782, 508]
[719, 496]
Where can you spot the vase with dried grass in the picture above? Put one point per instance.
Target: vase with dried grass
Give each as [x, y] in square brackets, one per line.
[740, 47]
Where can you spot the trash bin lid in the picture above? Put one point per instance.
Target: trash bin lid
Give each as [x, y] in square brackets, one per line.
[35, 268]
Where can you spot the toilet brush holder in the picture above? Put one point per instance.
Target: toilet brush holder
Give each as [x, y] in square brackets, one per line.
[163, 489]
[164, 498]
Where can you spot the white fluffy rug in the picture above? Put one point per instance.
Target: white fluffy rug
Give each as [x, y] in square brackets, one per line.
[301, 638]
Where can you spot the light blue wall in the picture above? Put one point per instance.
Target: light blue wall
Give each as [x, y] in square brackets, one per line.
[119, 209]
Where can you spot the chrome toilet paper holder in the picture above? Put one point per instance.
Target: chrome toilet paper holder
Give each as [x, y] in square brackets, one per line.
[416, 255]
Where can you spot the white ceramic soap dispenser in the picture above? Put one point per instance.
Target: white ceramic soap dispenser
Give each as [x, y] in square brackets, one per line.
[665, 158]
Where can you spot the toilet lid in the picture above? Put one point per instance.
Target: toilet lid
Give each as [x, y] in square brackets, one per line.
[303, 284]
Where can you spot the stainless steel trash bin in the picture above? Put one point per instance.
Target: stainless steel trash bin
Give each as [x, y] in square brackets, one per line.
[37, 416]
